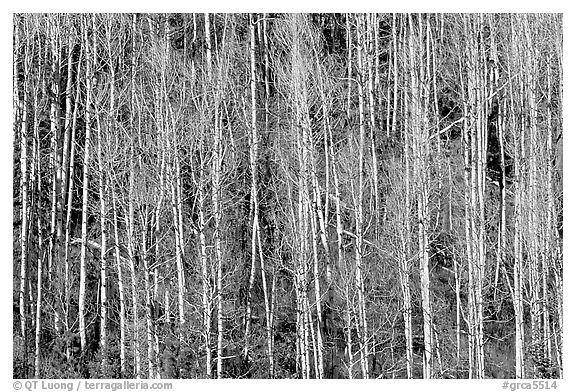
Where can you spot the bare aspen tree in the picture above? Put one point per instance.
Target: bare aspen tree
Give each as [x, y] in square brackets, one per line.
[121, 292]
[254, 141]
[102, 193]
[129, 216]
[548, 255]
[317, 221]
[82, 288]
[54, 27]
[147, 288]
[199, 179]
[518, 268]
[103, 243]
[70, 189]
[206, 281]
[216, 185]
[358, 205]
[216, 160]
[557, 205]
[253, 188]
[296, 74]
[169, 137]
[532, 246]
[36, 177]
[494, 82]
[268, 302]
[268, 308]
[157, 239]
[68, 152]
[404, 230]
[553, 238]
[38, 315]
[420, 149]
[22, 109]
[144, 214]
[475, 139]
[206, 287]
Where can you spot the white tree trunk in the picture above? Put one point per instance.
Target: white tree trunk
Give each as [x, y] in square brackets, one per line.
[85, 168]
[121, 293]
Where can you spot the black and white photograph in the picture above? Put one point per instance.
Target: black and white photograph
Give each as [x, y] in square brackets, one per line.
[287, 196]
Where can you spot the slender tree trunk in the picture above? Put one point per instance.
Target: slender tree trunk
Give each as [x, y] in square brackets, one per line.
[70, 187]
[36, 177]
[152, 368]
[348, 332]
[206, 289]
[103, 241]
[38, 306]
[359, 211]
[253, 188]
[370, 57]
[85, 168]
[53, 31]
[405, 229]
[349, 46]
[129, 218]
[318, 299]
[268, 308]
[475, 145]
[157, 258]
[176, 195]
[22, 108]
[216, 203]
[550, 223]
[534, 164]
[121, 292]
[518, 273]
[420, 149]
[67, 168]
[458, 318]
[178, 252]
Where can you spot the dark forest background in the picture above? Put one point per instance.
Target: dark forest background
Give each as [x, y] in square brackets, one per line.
[287, 196]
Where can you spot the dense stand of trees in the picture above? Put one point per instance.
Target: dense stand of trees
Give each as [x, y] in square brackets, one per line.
[309, 196]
